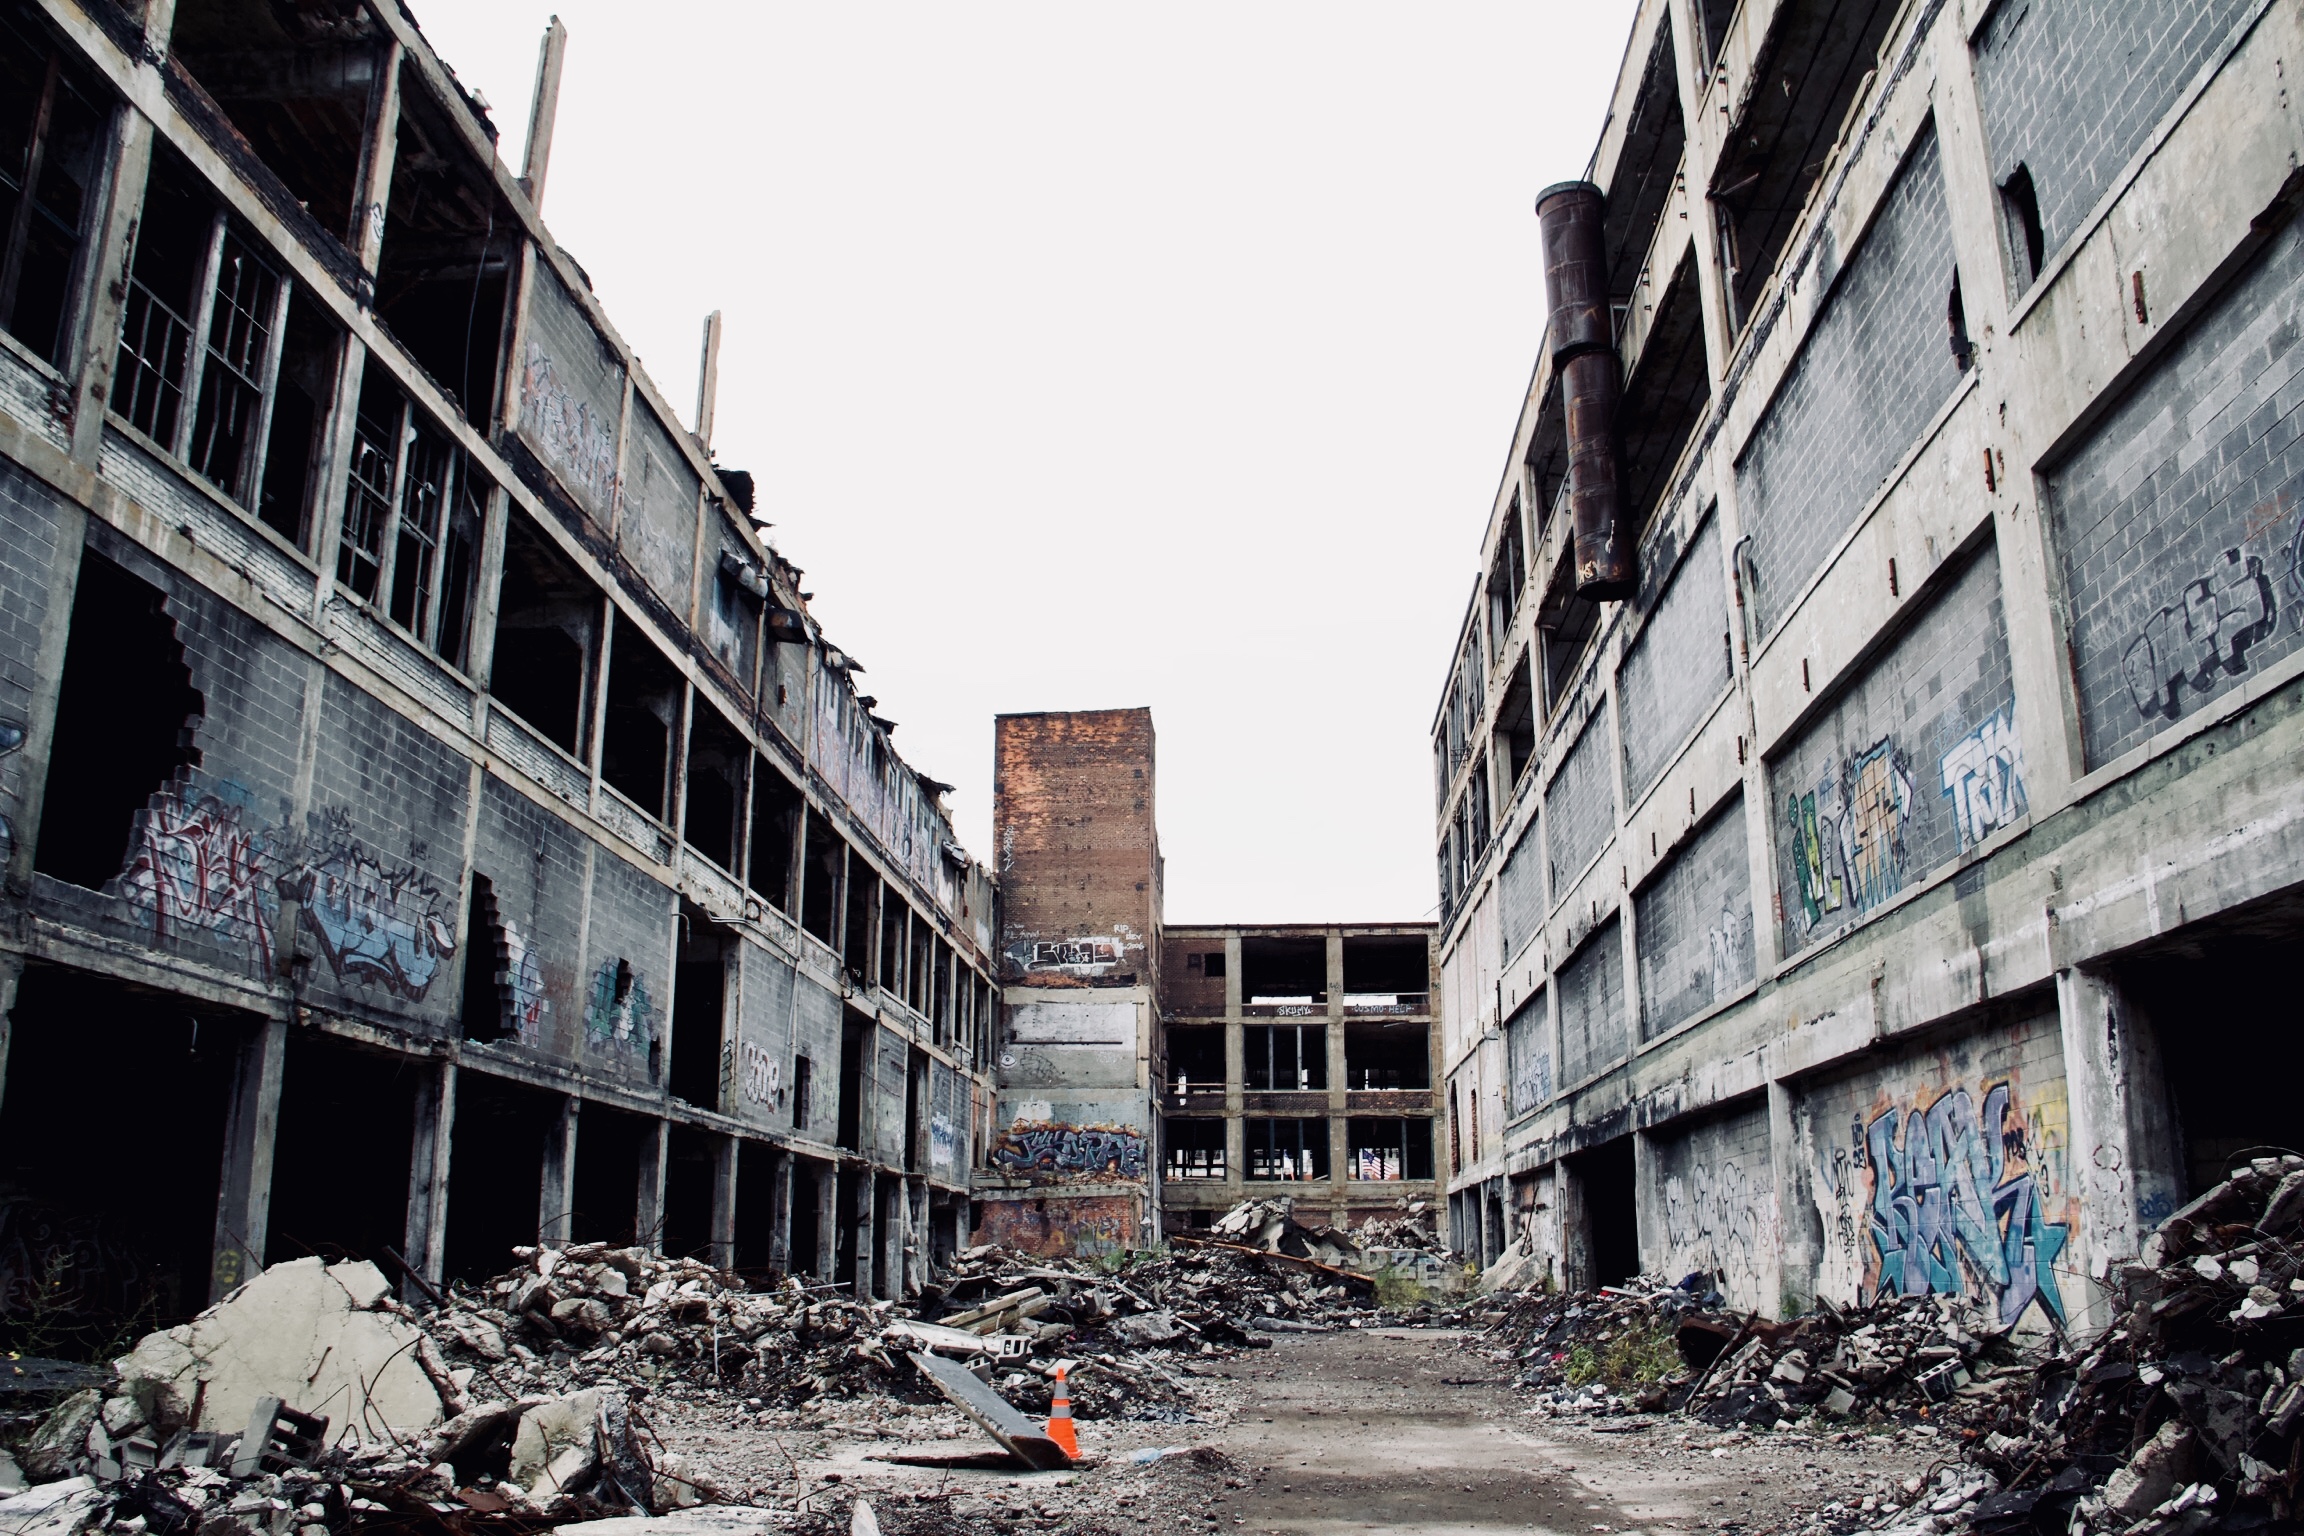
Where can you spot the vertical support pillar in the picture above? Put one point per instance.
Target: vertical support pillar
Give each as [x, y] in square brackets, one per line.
[543, 109]
[867, 1235]
[379, 149]
[827, 1221]
[425, 1237]
[889, 1189]
[722, 1254]
[251, 1126]
[780, 1211]
[1788, 1266]
[2111, 1178]
[648, 1208]
[556, 1198]
[11, 972]
[99, 341]
[1647, 1230]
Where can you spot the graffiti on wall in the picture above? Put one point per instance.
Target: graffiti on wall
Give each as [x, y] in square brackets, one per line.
[1051, 1151]
[1091, 955]
[1984, 778]
[578, 443]
[522, 981]
[943, 1141]
[1848, 846]
[1720, 1221]
[196, 863]
[1947, 1197]
[1055, 1228]
[620, 1015]
[386, 927]
[761, 1075]
[11, 739]
[2205, 632]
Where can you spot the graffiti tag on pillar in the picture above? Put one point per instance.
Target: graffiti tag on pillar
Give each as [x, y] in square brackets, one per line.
[1956, 1200]
[1719, 1222]
[1984, 778]
[1076, 1152]
[195, 864]
[2207, 631]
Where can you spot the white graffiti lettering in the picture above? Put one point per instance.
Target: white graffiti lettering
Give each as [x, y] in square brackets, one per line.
[1984, 778]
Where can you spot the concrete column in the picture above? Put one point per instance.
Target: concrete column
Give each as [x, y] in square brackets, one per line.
[648, 1212]
[722, 1254]
[99, 341]
[888, 1191]
[827, 1221]
[1788, 1268]
[867, 1232]
[780, 1212]
[426, 1233]
[916, 1238]
[556, 1201]
[1647, 1225]
[2123, 1161]
[251, 1126]
[11, 972]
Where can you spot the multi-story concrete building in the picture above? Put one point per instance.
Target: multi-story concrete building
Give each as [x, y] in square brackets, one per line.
[1868, 770]
[1150, 1077]
[433, 821]
[1297, 1059]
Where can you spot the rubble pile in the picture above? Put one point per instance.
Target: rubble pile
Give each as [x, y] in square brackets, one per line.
[2184, 1415]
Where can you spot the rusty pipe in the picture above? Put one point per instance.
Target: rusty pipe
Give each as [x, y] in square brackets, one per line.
[1581, 334]
[1575, 269]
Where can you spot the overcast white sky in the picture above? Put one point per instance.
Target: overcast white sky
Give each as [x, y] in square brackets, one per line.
[1094, 355]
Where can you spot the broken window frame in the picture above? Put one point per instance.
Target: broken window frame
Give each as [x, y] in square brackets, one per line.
[1192, 1154]
[1308, 1071]
[415, 518]
[27, 192]
[1360, 1132]
[1303, 1151]
[1506, 577]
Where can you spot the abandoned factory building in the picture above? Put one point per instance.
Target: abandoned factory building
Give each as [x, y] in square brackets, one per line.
[433, 820]
[1867, 771]
[1149, 1077]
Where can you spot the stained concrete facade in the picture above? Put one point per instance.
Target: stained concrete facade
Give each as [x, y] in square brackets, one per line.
[1890, 894]
[433, 820]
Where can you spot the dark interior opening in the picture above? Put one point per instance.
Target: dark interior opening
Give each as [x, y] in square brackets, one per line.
[1195, 1147]
[1385, 1056]
[605, 1205]
[1195, 1059]
[1564, 626]
[1379, 967]
[756, 1173]
[1607, 1189]
[163, 298]
[296, 82]
[1668, 391]
[855, 1042]
[486, 1011]
[106, 1240]
[820, 880]
[803, 1094]
[689, 1169]
[1279, 970]
[807, 1231]
[642, 720]
[856, 933]
[1956, 321]
[1506, 577]
[1285, 1058]
[340, 1163]
[547, 616]
[300, 399]
[1648, 167]
[1287, 1150]
[52, 117]
[845, 1226]
[699, 1006]
[125, 715]
[895, 942]
[1516, 721]
[1389, 1150]
[776, 807]
[916, 1111]
[1714, 16]
[449, 244]
[2020, 208]
[716, 758]
[495, 1171]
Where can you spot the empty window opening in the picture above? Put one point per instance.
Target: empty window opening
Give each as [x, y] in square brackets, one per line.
[776, 808]
[1393, 1150]
[1212, 965]
[334, 1095]
[856, 945]
[1387, 971]
[826, 862]
[1284, 970]
[303, 386]
[691, 1167]
[918, 972]
[490, 1011]
[604, 1207]
[846, 1228]
[1606, 1215]
[699, 1007]
[1195, 1148]
[916, 1111]
[1714, 16]
[1506, 577]
[126, 711]
[412, 517]
[807, 1218]
[754, 1258]
[1196, 1060]
[855, 1045]
[1956, 320]
[803, 1093]
[1287, 1149]
[449, 244]
[1286, 1058]
[110, 1239]
[737, 597]
[547, 629]
[2020, 216]
[716, 759]
[642, 720]
[1387, 1057]
[1564, 627]
[166, 276]
[299, 94]
[895, 941]
[1516, 722]
[52, 120]
[495, 1171]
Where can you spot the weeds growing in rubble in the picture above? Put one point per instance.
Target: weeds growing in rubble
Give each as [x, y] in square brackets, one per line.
[1399, 1288]
[1121, 1260]
[1642, 1355]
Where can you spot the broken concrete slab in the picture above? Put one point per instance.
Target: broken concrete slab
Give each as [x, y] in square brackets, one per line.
[307, 1332]
[557, 1444]
[993, 1413]
[63, 1508]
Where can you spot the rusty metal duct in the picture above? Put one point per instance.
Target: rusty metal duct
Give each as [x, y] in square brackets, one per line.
[1583, 341]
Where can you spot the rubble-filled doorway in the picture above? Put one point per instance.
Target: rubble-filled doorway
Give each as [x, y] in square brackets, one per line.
[688, 1175]
[1608, 1215]
[756, 1176]
[341, 1157]
[807, 1231]
[700, 1009]
[610, 1146]
[106, 1237]
[495, 1171]
[844, 1232]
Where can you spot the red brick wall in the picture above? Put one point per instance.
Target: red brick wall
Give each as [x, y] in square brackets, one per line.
[1076, 846]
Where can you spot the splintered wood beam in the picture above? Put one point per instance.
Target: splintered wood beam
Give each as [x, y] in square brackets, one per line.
[542, 109]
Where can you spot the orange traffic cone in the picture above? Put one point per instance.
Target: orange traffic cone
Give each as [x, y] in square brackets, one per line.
[1060, 1419]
